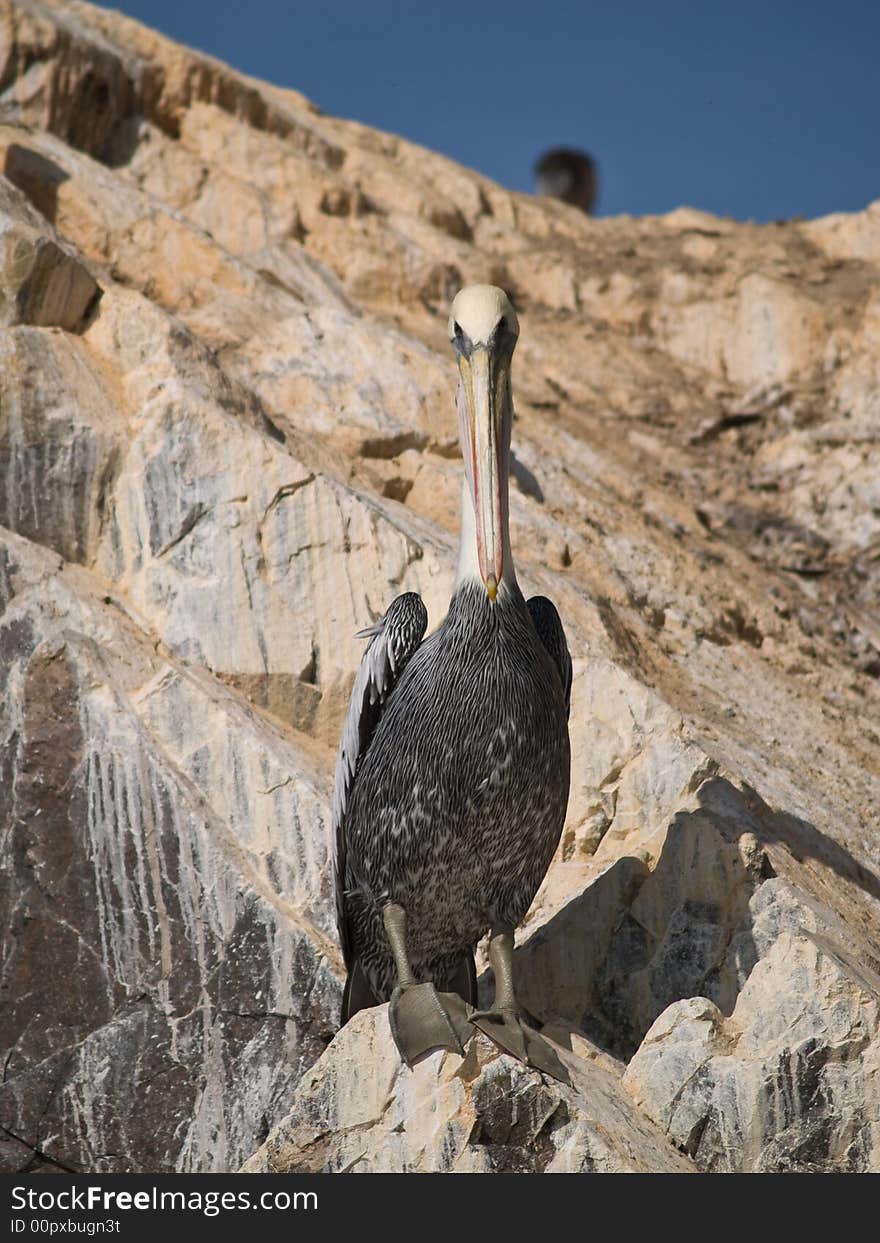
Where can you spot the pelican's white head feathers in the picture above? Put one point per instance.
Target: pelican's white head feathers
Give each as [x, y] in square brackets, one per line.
[477, 311]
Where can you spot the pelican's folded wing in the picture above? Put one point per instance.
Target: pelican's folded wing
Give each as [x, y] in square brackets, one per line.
[392, 642]
[551, 634]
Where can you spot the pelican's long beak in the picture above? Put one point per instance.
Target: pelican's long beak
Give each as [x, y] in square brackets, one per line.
[485, 379]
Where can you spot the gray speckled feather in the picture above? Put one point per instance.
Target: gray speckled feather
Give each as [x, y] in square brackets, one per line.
[452, 779]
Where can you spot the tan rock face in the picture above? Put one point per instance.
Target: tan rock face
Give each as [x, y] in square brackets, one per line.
[190, 966]
[227, 440]
[482, 1114]
[788, 1081]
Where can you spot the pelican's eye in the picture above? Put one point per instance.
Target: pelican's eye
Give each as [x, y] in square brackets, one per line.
[460, 341]
[503, 338]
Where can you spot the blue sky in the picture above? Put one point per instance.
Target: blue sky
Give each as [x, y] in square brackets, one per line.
[757, 110]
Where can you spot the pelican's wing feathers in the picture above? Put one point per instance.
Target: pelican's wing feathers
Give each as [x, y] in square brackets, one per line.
[392, 642]
[551, 634]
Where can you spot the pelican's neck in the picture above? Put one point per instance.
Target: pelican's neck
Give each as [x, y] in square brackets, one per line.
[468, 565]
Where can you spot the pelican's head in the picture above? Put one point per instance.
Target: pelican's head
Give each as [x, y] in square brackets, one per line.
[483, 329]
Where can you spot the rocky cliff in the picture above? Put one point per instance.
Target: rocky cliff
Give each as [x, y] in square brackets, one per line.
[227, 438]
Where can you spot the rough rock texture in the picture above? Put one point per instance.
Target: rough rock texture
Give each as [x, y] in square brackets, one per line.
[484, 1113]
[227, 439]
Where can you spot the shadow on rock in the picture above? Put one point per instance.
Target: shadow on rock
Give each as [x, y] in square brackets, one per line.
[36, 176]
[635, 942]
[802, 840]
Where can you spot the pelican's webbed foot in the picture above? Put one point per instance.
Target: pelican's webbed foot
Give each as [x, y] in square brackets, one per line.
[423, 1019]
[510, 1032]
[504, 1024]
[420, 1017]
[505, 1028]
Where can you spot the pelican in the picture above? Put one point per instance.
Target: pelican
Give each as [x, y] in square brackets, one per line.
[567, 174]
[453, 768]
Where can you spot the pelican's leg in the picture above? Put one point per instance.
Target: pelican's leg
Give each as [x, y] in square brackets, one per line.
[420, 1017]
[503, 1023]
